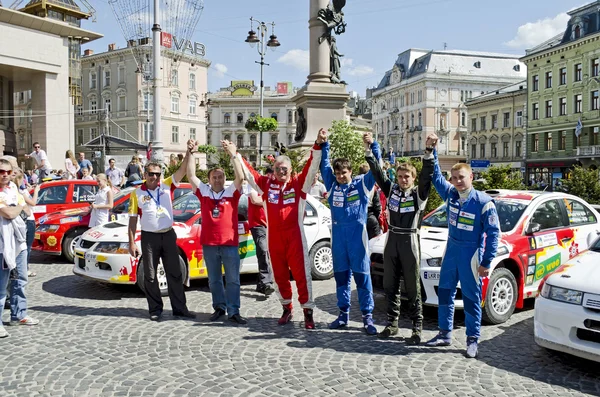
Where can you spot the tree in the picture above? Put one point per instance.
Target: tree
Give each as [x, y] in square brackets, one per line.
[434, 200]
[503, 177]
[346, 143]
[583, 183]
[261, 124]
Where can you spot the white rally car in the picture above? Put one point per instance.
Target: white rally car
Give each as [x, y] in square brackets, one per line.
[540, 231]
[103, 251]
[567, 312]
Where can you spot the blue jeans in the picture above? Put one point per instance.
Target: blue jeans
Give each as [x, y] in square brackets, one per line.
[18, 300]
[224, 298]
[30, 234]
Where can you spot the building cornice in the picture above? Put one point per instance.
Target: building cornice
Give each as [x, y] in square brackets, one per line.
[559, 49]
[182, 57]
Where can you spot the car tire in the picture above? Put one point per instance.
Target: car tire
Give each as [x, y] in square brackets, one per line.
[68, 244]
[321, 261]
[161, 275]
[501, 297]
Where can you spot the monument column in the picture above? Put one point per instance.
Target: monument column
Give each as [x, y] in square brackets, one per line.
[319, 53]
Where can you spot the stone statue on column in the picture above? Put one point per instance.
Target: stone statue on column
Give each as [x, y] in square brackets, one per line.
[333, 18]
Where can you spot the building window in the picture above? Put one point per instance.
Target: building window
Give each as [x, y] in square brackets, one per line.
[577, 74]
[505, 149]
[227, 118]
[562, 143]
[548, 79]
[93, 133]
[577, 103]
[148, 132]
[519, 119]
[482, 150]
[594, 100]
[290, 139]
[193, 133]
[79, 137]
[93, 106]
[548, 109]
[174, 104]
[174, 134]
[473, 151]
[563, 76]
[482, 123]
[79, 110]
[273, 139]
[494, 121]
[107, 105]
[535, 143]
[421, 120]
[535, 83]
[518, 148]
[148, 101]
[494, 147]
[253, 140]
[575, 140]
[594, 137]
[291, 117]
[412, 98]
[506, 120]
[463, 119]
[420, 96]
[240, 118]
[107, 78]
[473, 125]
[535, 111]
[274, 116]
[562, 105]
[577, 32]
[174, 78]
[193, 106]
[548, 140]
[240, 141]
[121, 73]
[227, 137]
[192, 81]
[595, 67]
[121, 103]
[93, 80]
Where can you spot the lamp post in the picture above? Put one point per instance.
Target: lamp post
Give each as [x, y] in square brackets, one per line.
[272, 43]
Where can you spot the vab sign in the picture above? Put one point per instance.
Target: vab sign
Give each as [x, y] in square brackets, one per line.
[194, 48]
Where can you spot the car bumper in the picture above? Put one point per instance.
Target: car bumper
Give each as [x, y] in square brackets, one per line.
[560, 326]
[109, 268]
[49, 243]
[430, 277]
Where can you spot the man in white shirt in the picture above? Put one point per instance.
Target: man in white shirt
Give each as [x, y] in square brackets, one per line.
[41, 160]
[115, 175]
[317, 189]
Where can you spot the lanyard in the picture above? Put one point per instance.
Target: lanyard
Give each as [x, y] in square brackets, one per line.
[216, 200]
[157, 201]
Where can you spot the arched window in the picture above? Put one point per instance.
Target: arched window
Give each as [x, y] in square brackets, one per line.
[388, 125]
[174, 78]
[227, 137]
[240, 118]
[273, 139]
[463, 119]
[192, 81]
[253, 140]
[240, 141]
[412, 120]
[274, 116]
[577, 31]
[290, 117]
[402, 125]
[420, 120]
[227, 118]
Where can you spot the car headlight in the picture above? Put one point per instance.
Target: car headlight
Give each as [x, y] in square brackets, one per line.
[47, 228]
[561, 294]
[434, 262]
[502, 250]
[112, 248]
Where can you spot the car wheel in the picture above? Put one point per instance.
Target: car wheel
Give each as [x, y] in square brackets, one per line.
[321, 261]
[70, 241]
[501, 297]
[161, 275]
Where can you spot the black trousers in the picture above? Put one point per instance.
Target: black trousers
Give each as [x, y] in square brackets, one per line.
[373, 228]
[401, 257]
[265, 275]
[163, 246]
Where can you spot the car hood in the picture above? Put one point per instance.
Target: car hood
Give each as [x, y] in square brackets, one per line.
[71, 215]
[118, 231]
[581, 273]
[433, 242]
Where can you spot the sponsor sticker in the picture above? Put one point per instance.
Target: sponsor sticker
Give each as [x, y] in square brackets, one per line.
[454, 210]
[547, 266]
[546, 240]
[467, 215]
[462, 226]
[71, 219]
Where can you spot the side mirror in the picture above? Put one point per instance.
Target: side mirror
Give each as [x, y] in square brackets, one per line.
[592, 237]
[533, 228]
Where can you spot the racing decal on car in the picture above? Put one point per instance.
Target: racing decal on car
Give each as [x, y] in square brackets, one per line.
[547, 266]
[247, 249]
[95, 234]
[51, 241]
[39, 209]
[71, 219]
[128, 275]
[546, 240]
[43, 219]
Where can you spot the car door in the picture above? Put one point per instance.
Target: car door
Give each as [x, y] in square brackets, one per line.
[84, 194]
[582, 221]
[549, 236]
[311, 224]
[51, 198]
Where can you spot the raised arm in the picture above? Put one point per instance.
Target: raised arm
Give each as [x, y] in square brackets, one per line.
[325, 167]
[373, 158]
[191, 167]
[252, 176]
[230, 149]
[183, 167]
[426, 176]
[441, 184]
[312, 165]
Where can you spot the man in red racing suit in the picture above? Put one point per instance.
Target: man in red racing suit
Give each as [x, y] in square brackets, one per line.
[284, 198]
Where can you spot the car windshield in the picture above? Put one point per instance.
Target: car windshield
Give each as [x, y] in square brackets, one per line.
[596, 246]
[185, 206]
[509, 213]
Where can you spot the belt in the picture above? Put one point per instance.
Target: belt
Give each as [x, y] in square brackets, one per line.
[402, 230]
[161, 231]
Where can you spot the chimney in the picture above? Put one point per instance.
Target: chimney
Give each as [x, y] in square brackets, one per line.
[112, 47]
[88, 52]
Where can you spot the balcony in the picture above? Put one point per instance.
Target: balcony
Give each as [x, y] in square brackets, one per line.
[588, 151]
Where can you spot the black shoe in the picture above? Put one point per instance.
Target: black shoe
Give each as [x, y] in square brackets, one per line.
[266, 289]
[236, 318]
[388, 331]
[155, 317]
[218, 313]
[415, 338]
[186, 314]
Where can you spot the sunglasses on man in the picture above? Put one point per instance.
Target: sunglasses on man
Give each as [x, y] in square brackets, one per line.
[156, 174]
[5, 172]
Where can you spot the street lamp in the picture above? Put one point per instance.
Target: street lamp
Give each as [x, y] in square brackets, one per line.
[272, 43]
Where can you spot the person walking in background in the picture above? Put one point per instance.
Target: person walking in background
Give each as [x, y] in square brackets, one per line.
[85, 175]
[84, 164]
[30, 200]
[102, 203]
[392, 157]
[473, 232]
[41, 160]
[257, 222]
[114, 174]
[134, 170]
[71, 165]
[317, 189]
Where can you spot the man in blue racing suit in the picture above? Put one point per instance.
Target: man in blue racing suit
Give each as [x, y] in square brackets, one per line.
[348, 199]
[473, 232]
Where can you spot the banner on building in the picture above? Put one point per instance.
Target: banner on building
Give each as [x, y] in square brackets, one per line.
[284, 88]
[166, 39]
[242, 88]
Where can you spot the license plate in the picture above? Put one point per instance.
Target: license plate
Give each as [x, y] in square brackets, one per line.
[36, 236]
[431, 276]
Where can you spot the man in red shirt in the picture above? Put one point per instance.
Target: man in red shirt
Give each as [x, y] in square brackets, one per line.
[257, 221]
[219, 234]
[285, 198]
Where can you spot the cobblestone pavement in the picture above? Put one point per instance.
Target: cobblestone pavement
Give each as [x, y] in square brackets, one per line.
[96, 340]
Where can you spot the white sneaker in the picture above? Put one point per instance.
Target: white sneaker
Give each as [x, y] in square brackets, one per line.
[471, 348]
[25, 321]
[3, 333]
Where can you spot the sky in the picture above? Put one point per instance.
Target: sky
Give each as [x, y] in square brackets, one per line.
[377, 31]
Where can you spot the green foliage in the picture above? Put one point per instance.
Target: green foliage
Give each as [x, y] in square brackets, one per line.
[503, 177]
[261, 124]
[223, 161]
[434, 200]
[583, 183]
[346, 143]
[207, 149]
